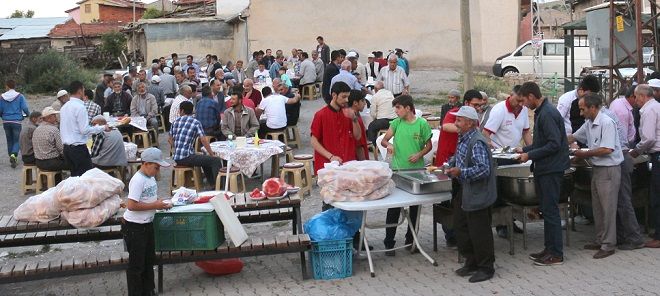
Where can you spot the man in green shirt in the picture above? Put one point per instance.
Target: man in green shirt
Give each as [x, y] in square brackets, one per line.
[412, 142]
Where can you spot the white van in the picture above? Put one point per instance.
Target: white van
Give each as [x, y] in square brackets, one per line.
[552, 58]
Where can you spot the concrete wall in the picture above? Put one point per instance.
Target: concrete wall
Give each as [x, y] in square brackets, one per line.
[197, 38]
[428, 29]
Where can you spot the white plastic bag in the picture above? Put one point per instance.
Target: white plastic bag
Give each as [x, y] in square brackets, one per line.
[356, 181]
[42, 208]
[88, 218]
[88, 190]
[183, 196]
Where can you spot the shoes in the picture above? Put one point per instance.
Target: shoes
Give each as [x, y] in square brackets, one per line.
[549, 260]
[536, 256]
[602, 254]
[466, 270]
[581, 220]
[502, 231]
[390, 253]
[481, 276]
[653, 244]
[13, 160]
[630, 246]
[593, 247]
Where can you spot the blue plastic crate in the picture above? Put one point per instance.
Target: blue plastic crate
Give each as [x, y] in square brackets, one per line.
[332, 259]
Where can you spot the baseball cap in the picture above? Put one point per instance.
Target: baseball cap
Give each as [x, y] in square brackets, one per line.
[351, 54]
[153, 155]
[155, 79]
[654, 83]
[467, 112]
[62, 93]
[371, 55]
[48, 111]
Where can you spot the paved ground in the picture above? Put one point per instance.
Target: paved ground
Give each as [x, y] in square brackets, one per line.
[625, 273]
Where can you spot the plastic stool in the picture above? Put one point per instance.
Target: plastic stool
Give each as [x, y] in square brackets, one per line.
[308, 161]
[297, 171]
[289, 154]
[309, 92]
[46, 179]
[161, 123]
[186, 176]
[294, 134]
[144, 136]
[277, 136]
[29, 178]
[153, 136]
[234, 174]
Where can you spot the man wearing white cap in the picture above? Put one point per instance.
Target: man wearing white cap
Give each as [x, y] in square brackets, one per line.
[655, 85]
[156, 90]
[47, 143]
[62, 98]
[474, 168]
[372, 66]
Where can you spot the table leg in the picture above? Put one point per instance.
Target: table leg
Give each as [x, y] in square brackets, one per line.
[275, 165]
[363, 239]
[160, 278]
[414, 233]
[362, 228]
[298, 222]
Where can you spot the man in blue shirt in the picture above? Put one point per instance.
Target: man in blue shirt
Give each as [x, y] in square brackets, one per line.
[183, 134]
[189, 64]
[208, 113]
[346, 76]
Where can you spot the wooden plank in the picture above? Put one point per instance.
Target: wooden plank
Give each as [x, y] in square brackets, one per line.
[224, 248]
[67, 264]
[115, 258]
[293, 239]
[257, 243]
[55, 266]
[31, 268]
[282, 241]
[269, 242]
[124, 257]
[11, 225]
[42, 267]
[304, 239]
[20, 225]
[103, 261]
[19, 270]
[78, 263]
[5, 270]
[3, 222]
[91, 262]
[40, 235]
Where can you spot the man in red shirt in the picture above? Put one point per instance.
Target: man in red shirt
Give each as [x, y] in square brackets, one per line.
[357, 103]
[250, 93]
[335, 129]
[447, 148]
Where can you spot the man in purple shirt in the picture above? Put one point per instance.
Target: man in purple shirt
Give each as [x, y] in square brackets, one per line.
[623, 108]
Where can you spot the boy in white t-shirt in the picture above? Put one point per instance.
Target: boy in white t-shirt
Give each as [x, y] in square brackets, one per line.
[137, 227]
[261, 74]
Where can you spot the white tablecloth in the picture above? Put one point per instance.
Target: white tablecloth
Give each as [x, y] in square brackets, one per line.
[248, 158]
[137, 121]
[397, 199]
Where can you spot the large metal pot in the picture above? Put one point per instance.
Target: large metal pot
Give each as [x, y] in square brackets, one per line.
[520, 190]
[640, 176]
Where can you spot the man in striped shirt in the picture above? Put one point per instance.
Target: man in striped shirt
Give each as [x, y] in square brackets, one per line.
[394, 78]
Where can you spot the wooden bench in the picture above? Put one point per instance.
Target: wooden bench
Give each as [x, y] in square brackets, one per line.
[62, 268]
[60, 236]
[255, 246]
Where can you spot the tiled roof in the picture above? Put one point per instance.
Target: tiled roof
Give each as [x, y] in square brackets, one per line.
[72, 29]
[26, 28]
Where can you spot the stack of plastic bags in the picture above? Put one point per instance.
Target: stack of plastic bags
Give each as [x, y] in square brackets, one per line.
[86, 201]
[356, 181]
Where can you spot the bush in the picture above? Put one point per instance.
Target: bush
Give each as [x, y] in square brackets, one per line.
[52, 70]
[113, 43]
[152, 13]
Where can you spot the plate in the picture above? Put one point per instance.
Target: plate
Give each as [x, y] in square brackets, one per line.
[277, 197]
[293, 190]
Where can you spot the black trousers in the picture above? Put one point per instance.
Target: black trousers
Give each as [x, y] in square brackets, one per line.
[264, 129]
[53, 164]
[655, 193]
[474, 236]
[374, 127]
[78, 159]
[210, 165]
[139, 239]
[392, 217]
[28, 159]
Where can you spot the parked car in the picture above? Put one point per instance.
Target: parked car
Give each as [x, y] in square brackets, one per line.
[521, 60]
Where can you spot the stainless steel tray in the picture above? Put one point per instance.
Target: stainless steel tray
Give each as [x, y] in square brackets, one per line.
[421, 181]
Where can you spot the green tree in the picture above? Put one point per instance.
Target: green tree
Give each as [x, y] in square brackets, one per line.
[20, 14]
[152, 13]
[113, 43]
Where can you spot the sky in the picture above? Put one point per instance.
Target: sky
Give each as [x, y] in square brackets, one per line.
[42, 8]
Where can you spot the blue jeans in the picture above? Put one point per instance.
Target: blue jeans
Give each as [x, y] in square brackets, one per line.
[548, 188]
[12, 132]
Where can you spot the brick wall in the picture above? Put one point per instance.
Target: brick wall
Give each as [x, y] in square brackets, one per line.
[124, 14]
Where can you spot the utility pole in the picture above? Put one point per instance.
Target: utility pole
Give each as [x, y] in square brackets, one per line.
[134, 31]
[466, 40]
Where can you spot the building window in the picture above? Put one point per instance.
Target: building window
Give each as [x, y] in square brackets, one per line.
[88, 8]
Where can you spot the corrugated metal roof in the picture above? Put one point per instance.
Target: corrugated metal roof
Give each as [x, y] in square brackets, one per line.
[25, 28]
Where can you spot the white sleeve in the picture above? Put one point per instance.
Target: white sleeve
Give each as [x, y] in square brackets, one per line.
[135, 187]
[526, 119]
[494, 119]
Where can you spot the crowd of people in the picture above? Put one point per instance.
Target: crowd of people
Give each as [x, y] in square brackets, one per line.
[265, 97]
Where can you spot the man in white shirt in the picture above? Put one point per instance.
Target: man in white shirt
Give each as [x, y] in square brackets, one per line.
[381, 111]
[261, 73]
[394, 77]
[185, 94]
[508, 123]
[75, 131]
[568, 106]
[273, 107]
[600, 134]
